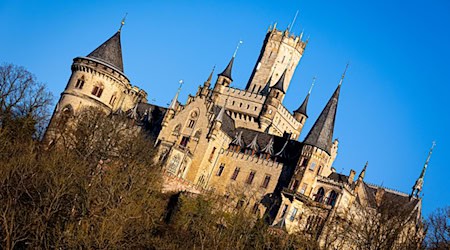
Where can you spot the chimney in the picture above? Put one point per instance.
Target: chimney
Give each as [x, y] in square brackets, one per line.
[351, 176]
[379, 195]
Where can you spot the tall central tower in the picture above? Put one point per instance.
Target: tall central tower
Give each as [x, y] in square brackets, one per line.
[280, 51]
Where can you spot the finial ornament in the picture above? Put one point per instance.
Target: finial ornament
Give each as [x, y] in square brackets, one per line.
[343, 74]
[237, 48]
[293, 21]
[312, 85]
[122, 23]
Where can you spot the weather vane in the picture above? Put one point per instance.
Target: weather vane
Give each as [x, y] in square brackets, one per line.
[237, 47]
[122, 23]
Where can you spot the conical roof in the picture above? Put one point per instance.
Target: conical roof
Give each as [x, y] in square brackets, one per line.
[227, 70]
[302, 109]
[280, 84]
[110, 52]
[321, 133]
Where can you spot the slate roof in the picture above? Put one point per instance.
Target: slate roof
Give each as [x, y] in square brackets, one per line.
[321, 133]
[110, 52]
[302, 109]
[280, 83]
[227, 70]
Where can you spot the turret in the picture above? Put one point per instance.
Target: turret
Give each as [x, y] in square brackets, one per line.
[204, 90]
[171, 110]
[317, 147]
[417, 188]
[301, 114]
[224, 78]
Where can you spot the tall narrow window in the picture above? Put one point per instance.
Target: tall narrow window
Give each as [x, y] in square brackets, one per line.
[283, 212]
[211, 156]
[112, 100]
[320, 195]
[220, 171]
[293, 214]
[251, 176]
[266, 181]
[184, 141]
[255, 208]
[235, 173]
[191, 123]
[331, 199]
[295, 185]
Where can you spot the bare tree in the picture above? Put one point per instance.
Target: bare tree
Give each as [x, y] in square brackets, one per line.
[24, 101]
[438, 236]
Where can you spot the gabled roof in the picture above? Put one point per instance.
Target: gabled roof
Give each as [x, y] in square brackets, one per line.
[321, 133]
[110, 52]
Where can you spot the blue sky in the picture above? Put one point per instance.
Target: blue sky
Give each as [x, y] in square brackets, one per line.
[393, 102]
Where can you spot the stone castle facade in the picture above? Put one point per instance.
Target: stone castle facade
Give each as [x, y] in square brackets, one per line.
[241, 143]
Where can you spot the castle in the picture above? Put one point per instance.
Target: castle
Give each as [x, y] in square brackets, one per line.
[241, 144]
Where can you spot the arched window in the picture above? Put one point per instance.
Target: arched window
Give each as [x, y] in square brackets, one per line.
[113, 99]
[66, 113]
[97, 90]
[320, 195]
[331, 199]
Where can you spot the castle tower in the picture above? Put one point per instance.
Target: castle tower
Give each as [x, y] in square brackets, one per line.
[97, 80]
[301, 114]
[316, 156]
[274, 99]
[281, 50]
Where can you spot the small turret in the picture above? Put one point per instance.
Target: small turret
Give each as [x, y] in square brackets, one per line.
[204, 90]
[224, 78]
[301, 114]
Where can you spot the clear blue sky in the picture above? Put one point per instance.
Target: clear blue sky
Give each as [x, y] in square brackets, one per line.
[393, 102]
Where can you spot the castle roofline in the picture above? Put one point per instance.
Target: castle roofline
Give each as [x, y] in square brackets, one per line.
[104, 64]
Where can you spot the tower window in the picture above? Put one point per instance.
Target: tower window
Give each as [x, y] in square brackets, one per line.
[97, 90]
[184, 141]
[304, 187]
[80, 83]
[191, 123]
[235, 173]
[112, 100]
[266, 181]
[220, 171]
[251, 176]
[312, 166]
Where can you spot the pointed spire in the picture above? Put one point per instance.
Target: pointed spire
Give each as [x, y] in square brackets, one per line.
[174, 102]
[208, 81]
[363, 172]
[419, 182]
[321, 133]
[110, 52]
[266, 88]
[280, 84]
[343, 74]
[227, 71]
[302, 109]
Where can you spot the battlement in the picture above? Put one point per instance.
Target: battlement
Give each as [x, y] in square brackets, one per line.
[253, 158]
[288, 38]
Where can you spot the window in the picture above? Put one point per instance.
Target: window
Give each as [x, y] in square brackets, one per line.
[293, 214]
[304, 162]
[319, 169]
[320, 195]
[312, 166]
[304, 187]
[235, 173]
[97, 90]
[266, 181]
[80, 83]
[220, 171]
[191, 123]
[251, 176]
[211, 156]
[331, 199]
[184, 141]
[112, 100]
